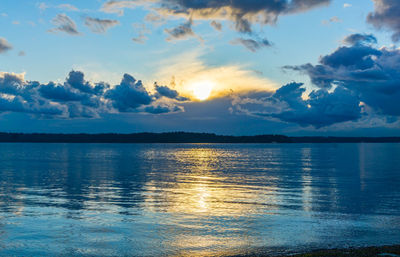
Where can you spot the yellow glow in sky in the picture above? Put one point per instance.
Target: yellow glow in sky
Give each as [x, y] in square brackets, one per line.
[202, 89]
[196, 80]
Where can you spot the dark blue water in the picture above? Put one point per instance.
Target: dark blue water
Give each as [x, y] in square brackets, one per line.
[196, 199]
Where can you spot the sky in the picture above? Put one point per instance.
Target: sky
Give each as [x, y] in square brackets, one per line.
[238, 67]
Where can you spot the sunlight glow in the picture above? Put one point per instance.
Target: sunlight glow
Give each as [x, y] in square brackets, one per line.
[202, 89]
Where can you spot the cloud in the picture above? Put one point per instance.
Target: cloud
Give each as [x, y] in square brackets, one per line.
[4, 45]
[10, 83]
[141, 39]
[68, 7]
[160, 109]
[61, 93]
[334, 19]
[128, 95]
[216, 25]
[19, 96]
[154, 18]
[357, 82]
[242, 12]
[355, 39]
[119, 6]
[78, 98]
[76, 80]
[17, 104]
[347, 5]
[42, 6]
[131, 96]
[320, 109]
[386, 15]
[142, 30]
[251, 44]
[183, 31]
[64, 24]
[100, 25]
[169, 93]
[370, 73]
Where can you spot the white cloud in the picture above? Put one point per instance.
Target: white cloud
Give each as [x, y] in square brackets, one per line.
[68, 7]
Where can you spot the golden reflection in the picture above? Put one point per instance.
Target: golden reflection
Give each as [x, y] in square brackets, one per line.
[202, 193]
[204, 189]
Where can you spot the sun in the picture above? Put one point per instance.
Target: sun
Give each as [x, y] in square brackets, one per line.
[202, 89]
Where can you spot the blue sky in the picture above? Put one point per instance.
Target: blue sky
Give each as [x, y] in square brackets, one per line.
[227, 78]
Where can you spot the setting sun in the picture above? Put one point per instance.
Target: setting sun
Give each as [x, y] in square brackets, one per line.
[202, 90]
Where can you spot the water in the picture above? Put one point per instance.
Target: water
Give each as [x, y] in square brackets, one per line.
[196, 199]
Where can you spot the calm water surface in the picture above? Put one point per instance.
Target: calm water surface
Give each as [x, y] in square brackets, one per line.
[196, 199]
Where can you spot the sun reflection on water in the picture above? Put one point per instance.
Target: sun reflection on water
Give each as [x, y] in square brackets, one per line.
[202, 192]
[204, 189]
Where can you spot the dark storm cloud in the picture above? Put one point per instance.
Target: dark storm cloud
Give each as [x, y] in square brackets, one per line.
[320, 109]
[100, 25]
[370, 73]
[4, 45]
[78, 98]
[386, 15]
[252, 44]
[64, 24]
[355, 39]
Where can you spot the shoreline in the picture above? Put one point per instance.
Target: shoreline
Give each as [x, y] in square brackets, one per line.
[384, 251]
[182, 137]
[368, 251]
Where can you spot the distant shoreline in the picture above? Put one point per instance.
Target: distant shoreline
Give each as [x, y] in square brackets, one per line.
[180, 137]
